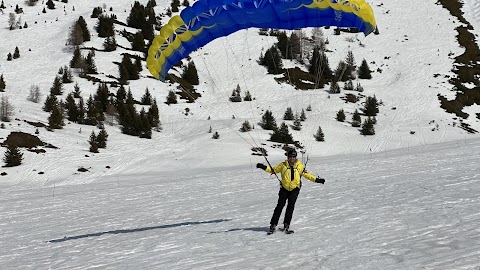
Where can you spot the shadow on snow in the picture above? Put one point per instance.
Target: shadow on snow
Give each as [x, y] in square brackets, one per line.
[135, 230]
[255, 229]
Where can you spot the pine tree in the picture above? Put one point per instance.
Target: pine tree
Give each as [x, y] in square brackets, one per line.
[2, 84]
[138, 42]
[282, 43]
[341, 115]
[55, 120]
[294, 47]
[235, 97]
[268, 121]
[272, 61]
[190, 74]
[9, 57]
[319, 136]
[174, 5]
[154, 117]
[146, 98]
[72, 109]
[350, 66]
[50, 102]
[127, 69]
[288, 114]
[356, 119]
[371, 106]
[93, 143]
[171, 98]
[105, 26]
[76, 91]
[16, 53]
[67, 76]
[248, 96]
[121, 94]
[136, 18]
[297, 123]
[102, 138]
[91, 68]
[151, 4]
[245, 126]
[216, 135]
[110, 44]
[57, 87]
[77, 59]
[96, 12]
[101, 97]
[282, 135]
[13, 156]
[364, 71]
[145, 129]
[303, 116]
[81, 111]
[50, 4]
[367, 127]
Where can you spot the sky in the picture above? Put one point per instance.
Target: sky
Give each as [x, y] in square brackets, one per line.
[183, 200]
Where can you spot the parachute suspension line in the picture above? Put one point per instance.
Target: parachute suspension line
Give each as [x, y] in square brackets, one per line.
[214, 85]
[206, 108]
[247, 86]
[271, 167]
[226, 44]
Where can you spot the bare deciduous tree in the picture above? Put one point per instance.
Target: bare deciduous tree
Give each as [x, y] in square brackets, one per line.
[76, 35]
[12, 20]
[35, 94]
[6, 109]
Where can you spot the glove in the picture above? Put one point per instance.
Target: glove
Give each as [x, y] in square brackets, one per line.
[261, 166]
[320, 180]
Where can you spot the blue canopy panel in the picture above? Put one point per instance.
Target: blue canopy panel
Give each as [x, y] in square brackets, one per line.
[208, 20]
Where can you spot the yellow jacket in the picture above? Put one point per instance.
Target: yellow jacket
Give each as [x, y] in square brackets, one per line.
[286, 171]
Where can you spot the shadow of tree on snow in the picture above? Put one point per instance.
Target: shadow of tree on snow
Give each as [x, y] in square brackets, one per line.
[75, 237]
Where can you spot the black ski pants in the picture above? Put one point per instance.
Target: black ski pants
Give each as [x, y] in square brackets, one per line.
[284, 196]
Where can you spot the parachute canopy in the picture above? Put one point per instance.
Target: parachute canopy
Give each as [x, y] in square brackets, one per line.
[207, 20]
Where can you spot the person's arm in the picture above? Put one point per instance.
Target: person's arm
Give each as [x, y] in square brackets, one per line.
[312, 178]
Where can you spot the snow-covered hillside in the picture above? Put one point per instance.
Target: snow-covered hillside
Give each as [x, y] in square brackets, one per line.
[412, 208]
[408, 55]
[405, 198]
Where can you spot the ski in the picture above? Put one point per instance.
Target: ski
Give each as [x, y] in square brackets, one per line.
[286, 231]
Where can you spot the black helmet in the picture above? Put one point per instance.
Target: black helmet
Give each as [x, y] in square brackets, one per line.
[291, 152]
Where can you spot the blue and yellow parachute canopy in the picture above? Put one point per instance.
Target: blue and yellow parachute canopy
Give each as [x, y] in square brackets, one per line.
[207, 20]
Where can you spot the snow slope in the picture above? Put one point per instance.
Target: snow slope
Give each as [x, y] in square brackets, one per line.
[182, 200]
[412, 208]
[408, 56]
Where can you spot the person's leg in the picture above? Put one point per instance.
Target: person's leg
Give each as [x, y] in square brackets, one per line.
[292, 198]
[282, 199]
